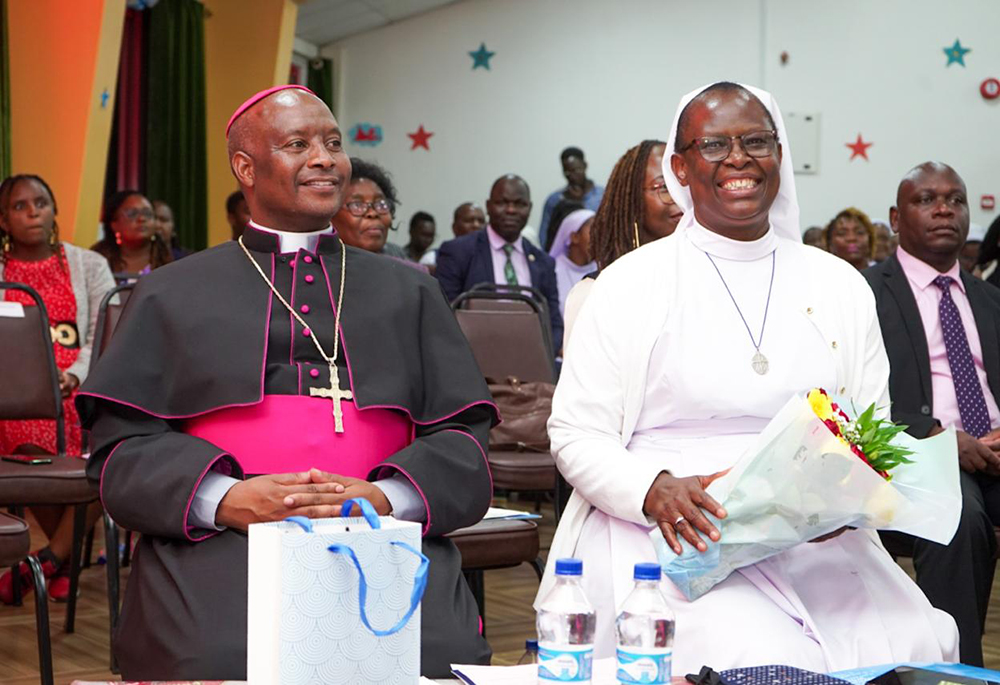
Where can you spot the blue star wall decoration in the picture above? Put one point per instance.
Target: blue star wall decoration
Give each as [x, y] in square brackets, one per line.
[956, 53]
[481, 57]
[105, 96]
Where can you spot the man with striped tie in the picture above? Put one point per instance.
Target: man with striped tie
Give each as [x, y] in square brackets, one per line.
[500, 254]
[942, 333]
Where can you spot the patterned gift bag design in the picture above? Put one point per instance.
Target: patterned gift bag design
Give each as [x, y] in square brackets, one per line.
[306, 621]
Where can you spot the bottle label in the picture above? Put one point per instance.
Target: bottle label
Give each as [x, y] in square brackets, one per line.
[565, 663]
[650, 666]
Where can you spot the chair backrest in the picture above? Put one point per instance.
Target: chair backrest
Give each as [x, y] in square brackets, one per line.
[108, 314]
[30, 386]
[507, 342]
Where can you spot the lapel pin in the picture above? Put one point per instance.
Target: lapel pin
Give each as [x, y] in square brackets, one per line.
[531, 258]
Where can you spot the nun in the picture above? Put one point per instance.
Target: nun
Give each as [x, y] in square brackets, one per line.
[684, 351]
[571, 250]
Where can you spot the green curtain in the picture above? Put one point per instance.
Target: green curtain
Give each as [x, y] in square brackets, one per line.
[5, 139]
[177, 168]
[320, 80]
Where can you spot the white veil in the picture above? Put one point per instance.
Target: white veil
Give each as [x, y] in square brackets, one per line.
[784, 214]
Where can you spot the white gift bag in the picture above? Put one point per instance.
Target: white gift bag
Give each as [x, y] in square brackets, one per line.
[335, 601]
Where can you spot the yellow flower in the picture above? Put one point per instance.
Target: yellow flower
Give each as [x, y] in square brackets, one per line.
[821, 404]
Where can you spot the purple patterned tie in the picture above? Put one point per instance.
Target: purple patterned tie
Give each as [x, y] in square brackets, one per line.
[968, 391]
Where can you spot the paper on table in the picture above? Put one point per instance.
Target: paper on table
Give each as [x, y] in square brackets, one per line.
[494, 513]
[604, 674]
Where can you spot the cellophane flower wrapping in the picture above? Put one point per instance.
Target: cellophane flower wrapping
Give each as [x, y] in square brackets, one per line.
[799, 482]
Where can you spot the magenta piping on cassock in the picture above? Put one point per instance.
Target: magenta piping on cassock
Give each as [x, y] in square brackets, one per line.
[267, 335]
[427, 507]
[291, 317]
[194, 490]
[339, 331]
[489, 471]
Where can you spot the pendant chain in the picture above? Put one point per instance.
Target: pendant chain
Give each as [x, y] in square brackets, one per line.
[767, 305]
[330, 360]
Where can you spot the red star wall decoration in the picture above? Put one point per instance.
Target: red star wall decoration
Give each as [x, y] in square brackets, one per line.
[859, 148]
[420, 138]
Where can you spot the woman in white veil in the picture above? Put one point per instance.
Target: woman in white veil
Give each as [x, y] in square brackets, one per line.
[683, 352]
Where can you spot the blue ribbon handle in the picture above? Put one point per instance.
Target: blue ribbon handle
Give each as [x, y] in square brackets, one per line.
[304, 523]
[367, 510]
[419, 583]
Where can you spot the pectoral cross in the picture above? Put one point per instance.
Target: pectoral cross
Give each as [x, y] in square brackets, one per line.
[336, 394]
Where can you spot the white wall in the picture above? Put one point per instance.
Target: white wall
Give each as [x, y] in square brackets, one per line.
[604, 75]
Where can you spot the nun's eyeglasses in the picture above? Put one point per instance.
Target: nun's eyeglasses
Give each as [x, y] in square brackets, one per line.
[716, 148]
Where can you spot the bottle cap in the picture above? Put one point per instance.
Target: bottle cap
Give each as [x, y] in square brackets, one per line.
[647, 572]
[569, 567]
[531, 645]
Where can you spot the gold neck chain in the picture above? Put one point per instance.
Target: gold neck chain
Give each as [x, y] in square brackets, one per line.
[330, 360]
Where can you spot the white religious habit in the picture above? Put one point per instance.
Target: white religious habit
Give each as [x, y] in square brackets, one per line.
[665, 383]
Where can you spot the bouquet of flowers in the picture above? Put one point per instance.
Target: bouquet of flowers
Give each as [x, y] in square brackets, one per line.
[813, 470]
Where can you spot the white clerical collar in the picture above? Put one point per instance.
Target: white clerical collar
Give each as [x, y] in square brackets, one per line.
[727, 248]
[290, 241]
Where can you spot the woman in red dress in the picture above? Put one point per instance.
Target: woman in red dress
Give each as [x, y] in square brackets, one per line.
[71, 282]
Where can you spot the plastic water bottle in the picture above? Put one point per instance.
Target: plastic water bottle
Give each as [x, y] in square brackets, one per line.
[645, 629]
[530, 655]
[566, 622]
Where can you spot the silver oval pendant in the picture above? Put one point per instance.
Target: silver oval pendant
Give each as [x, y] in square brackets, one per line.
[759, 363]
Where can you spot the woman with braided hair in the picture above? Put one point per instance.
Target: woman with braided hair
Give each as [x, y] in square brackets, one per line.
[71, 282]
[636, 209]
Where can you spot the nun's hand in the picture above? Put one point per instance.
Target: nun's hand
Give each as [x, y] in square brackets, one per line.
[677, 503]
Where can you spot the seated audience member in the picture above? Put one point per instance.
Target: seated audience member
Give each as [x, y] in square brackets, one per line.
[365, 219]
[572, 252]
[71, 282]
[131, 244]
[969, 255]
[814, 237]
[885, 241]
[185, 609]
[500, 254]
[989, 255]
[237, 213]
[562, 210]
[663, 388]
[579, 188]
[469, 218]
[851, 236]
[941, 328]
[422, 232]
[637, 209]
[164, 219]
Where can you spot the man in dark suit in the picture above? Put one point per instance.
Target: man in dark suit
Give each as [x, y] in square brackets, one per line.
[941, 328]
[499, 254]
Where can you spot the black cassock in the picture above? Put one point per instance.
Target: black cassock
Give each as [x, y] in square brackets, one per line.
[204, 334]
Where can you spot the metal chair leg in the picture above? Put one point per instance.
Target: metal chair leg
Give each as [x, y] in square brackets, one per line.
[538, 566]
[15, 570]
[42, 622]
[88, 549]
[79, 524]
[114, 583]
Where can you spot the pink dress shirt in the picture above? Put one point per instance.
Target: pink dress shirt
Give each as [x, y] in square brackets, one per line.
[928, 296]
[518, 258]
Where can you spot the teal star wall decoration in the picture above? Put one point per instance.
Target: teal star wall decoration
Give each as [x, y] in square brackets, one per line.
[481, 57]
[956, 53]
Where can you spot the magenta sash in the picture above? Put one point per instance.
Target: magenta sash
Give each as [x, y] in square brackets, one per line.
[288, 433]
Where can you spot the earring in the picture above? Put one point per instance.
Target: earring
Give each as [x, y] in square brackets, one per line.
[53, 239]
[118, 238]
[5, 240]
[635, 226]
